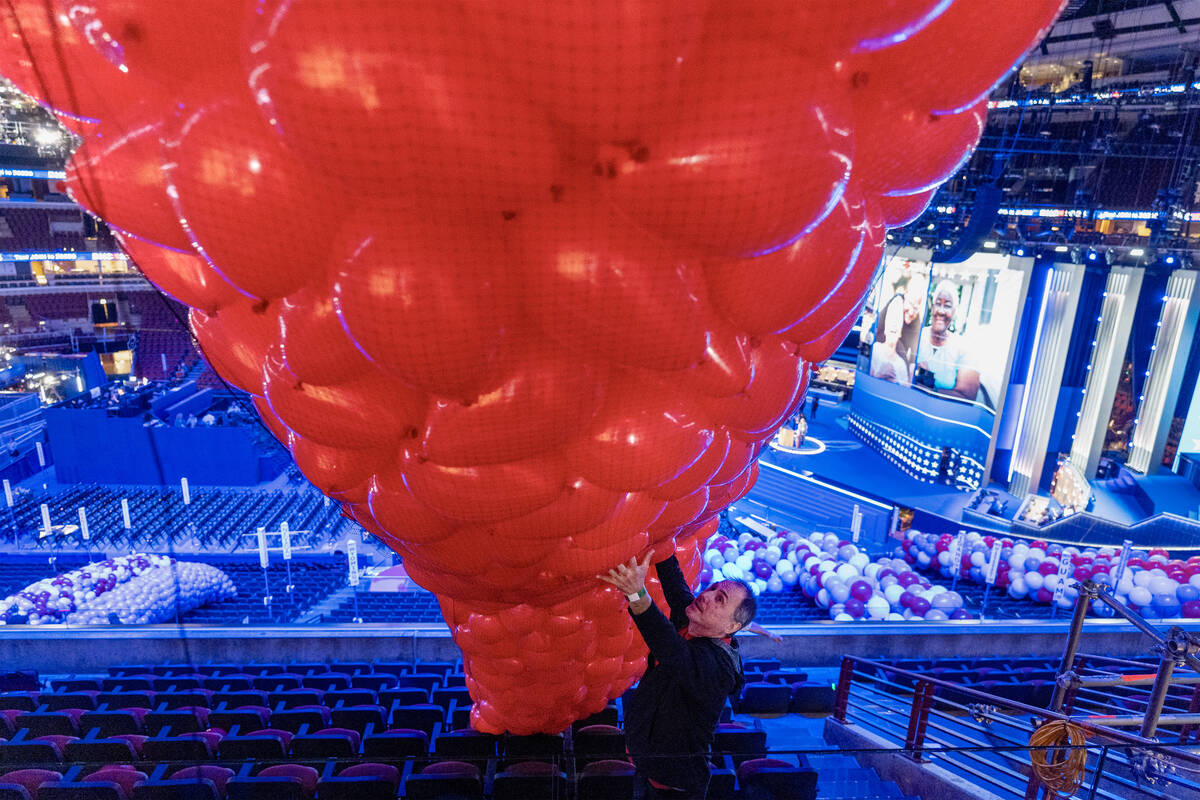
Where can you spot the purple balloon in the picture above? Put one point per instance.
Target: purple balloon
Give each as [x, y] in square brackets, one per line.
[862, 590]
[855, 607]
[919, 605]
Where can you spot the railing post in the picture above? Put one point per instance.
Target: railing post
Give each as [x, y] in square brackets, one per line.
[842, 699]
[1158, 692]
[914, 738]
[1087, 591]
[1099, 771]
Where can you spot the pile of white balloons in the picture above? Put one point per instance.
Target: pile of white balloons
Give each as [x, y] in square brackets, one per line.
[836, 575]
[137, 588]
[1153, 584]
[767, 565]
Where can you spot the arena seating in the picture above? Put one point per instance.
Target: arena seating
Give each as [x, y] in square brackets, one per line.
[161, 333]
[217, 518]
[30, 227]
[339, 729]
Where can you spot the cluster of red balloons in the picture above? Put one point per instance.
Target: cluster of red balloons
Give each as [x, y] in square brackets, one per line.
[526, 286]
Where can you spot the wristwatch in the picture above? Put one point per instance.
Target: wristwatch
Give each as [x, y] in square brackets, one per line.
[638, 595]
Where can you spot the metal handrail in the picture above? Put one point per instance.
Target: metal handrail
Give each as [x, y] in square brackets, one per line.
[1117, 737]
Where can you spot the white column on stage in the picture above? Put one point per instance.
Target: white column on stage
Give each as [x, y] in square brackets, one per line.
[1168, 357]
[1056, 318]
[1104, 368]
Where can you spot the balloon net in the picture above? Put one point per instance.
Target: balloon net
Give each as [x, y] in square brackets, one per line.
[524, 286]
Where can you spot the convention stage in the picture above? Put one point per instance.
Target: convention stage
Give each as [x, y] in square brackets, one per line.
[832, 453]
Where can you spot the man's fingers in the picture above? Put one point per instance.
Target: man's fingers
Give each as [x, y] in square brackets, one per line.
[645, 564]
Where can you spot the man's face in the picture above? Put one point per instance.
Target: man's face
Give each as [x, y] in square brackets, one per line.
[942, 315]
[711, 613]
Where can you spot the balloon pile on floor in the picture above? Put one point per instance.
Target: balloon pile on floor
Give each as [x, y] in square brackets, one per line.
[136, 589]
[1153, 584]
[833, 573]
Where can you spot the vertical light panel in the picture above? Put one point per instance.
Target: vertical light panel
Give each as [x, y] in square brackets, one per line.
[1176, 324]
[1104, 366]
[1055, 323]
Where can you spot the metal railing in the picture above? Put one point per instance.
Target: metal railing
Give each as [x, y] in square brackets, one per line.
[978, 733]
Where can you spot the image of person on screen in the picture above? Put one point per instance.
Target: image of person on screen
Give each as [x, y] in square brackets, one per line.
[942, 352]
[888, 360]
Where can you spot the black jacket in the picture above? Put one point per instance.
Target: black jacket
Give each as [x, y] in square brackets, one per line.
[672, 714]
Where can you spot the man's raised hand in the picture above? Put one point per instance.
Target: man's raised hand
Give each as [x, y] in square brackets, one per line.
[631, 577]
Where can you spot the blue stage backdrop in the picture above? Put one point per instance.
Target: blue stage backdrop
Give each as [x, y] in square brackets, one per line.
[90, 446]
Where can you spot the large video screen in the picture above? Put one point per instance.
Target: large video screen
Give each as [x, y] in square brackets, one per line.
[934, 358]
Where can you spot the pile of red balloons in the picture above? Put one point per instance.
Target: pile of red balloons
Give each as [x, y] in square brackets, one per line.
[525, 285]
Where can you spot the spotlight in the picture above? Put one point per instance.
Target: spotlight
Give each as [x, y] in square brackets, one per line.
[1137, 252]
[1091, 255]
[1020, 251]
[989, 245]
[1169, 260]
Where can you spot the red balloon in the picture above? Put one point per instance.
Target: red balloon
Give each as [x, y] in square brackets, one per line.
[235, 341]
[425, 295]
[51, 59]
[796, 278]
[117, 174]
[251, 207]
[822, 347]
[347, 414]
[581, 506]
[900, 149]
[606, 71]
[336, 469]
[313, 342]
[608, 289]
[396, 509]
[183, 276]
[752, 179]
[899, 210]
[726, 366]
[958, 57]
[701, 472]
[487, 492]
[779, 380]
[544, 397]
[845, 297]
[645, 436]
[414, 103]
[158, 42]
[831, 26]
[680, 512]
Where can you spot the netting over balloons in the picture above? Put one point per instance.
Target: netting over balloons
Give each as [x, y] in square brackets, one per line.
[525, 286]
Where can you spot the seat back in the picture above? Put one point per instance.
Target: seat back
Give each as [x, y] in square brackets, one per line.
[530, 780]
[31, 779]
[278, 787]
[217, 775]
[306, 775]
[84, 790]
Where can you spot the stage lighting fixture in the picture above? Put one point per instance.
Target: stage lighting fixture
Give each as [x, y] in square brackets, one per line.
[1169, 260]
[917, 239]
[1020, 251]
[1137, 252]
[1062, 248]
[1091, 255]
[989, 245]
